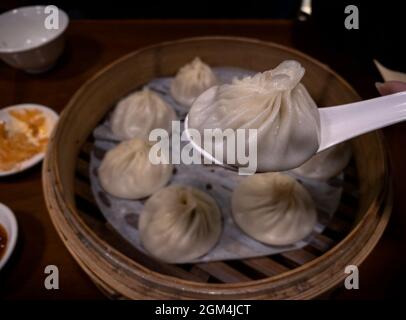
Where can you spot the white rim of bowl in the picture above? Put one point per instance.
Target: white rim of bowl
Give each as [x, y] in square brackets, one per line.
[29, 163]
[11, 236]
[52, 38]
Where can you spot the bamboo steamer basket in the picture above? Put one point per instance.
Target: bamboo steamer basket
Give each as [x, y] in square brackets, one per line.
[122, 272]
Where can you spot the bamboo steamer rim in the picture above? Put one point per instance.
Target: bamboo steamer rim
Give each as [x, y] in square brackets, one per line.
[163, 281]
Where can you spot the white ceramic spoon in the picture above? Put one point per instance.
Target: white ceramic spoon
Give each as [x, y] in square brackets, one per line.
[339, 123]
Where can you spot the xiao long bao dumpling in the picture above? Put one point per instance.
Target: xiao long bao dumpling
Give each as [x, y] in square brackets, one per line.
[327, 163]
[273, 208]
[139, 113]
[179, 224]
[192, 80]
[127, 172]
[273, 102]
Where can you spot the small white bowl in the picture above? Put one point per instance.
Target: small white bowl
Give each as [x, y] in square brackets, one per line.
[9, 223]
[52, 118]
[25, 42]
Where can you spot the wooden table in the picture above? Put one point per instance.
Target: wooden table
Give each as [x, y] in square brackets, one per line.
[94, 44]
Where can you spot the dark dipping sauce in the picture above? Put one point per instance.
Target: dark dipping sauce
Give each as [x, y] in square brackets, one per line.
[3, 240]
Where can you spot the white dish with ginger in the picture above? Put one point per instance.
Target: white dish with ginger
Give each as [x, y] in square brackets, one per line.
[24, 133]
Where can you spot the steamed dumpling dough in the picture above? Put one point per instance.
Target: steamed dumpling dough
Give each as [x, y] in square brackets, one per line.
[273, 102]
[192, 80]
[127, 172]
[273, 208]
[139, 113]
[326, 164]
[179, 224]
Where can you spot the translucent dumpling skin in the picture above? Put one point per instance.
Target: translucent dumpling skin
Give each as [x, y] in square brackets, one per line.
[138, 114]
[273, 208]
[179, 224]
[127, 172]
[273, 102]
[191, 81]
[327, 163]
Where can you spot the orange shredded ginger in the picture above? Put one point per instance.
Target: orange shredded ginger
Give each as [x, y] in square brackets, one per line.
[18, 146]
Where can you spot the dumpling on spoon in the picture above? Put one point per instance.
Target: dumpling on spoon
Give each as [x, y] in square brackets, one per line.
[138, 114]
[274, 103]
[179, 224]
[273, 208]
[191, 81]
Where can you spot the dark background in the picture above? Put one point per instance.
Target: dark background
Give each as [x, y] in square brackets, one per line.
[380, 35]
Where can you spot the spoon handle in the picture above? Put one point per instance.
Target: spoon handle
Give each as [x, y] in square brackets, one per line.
[341, 123]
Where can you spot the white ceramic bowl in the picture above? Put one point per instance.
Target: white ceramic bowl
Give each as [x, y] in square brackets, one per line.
[25, 42]
[9, 223]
